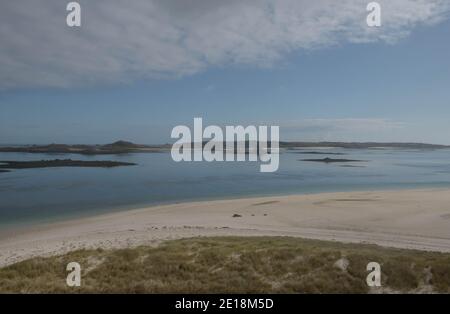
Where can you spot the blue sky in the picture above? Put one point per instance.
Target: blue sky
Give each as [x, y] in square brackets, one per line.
[345, 90]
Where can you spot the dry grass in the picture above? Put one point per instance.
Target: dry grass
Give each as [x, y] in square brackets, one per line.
[233, 265]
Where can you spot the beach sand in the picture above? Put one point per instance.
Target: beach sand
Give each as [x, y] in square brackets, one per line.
[414, 219]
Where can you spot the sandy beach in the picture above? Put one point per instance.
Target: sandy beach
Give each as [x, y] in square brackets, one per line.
[413, 219]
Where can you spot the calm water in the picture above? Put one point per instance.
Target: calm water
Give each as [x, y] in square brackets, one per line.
[39, 195]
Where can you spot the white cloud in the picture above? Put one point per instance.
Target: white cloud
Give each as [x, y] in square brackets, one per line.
[121, 41]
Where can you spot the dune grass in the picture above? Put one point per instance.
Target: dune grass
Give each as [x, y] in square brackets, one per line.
[233, 265]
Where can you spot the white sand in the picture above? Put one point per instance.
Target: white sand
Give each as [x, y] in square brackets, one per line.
[418, 219]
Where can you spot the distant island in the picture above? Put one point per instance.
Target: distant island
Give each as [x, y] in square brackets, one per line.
[60, 163]
[124, 147]
[362, 145]
[119, 147]
[330, 160]
[316, 153]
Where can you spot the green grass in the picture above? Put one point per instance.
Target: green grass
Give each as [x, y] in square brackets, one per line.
[233, 265]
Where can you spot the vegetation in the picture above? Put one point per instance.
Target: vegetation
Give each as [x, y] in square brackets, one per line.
[234, 265]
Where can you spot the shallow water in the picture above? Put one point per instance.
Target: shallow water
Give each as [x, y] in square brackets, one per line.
[29, 196]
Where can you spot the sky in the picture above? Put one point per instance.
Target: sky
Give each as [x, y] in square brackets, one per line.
[136, 69]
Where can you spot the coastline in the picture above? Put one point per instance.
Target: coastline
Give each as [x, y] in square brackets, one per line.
[32, 223]
[411, 219]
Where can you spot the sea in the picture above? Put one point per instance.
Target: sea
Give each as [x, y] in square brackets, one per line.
[34, 196]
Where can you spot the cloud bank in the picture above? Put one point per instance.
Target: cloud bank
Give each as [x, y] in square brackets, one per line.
[124, 41]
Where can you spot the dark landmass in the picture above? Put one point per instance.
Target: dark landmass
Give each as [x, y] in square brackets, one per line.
[1, 170]
[330, 160]
[61, 163]
[362, 145]
[317, 153]
[124, 147]
[119, 147]
[354, 145]
[352, 166]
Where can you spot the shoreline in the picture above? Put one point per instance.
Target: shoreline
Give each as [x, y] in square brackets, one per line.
[33, 223]
[410, 219]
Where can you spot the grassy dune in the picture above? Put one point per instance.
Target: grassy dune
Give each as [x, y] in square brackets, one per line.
[234, 265]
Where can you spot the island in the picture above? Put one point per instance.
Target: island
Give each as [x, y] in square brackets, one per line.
[330, 160]
[363, 145]
[118, 147]
[314, 153]
[61, 163]
[125, 147]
